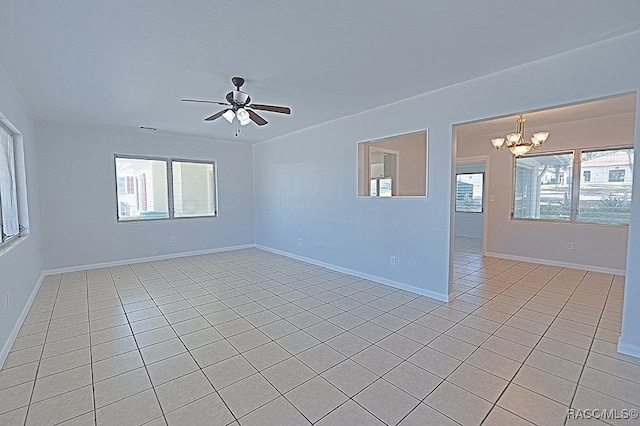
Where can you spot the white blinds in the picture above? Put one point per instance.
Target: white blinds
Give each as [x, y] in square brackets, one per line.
[8, 197]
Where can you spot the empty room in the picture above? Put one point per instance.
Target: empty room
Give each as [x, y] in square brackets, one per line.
[327, 213]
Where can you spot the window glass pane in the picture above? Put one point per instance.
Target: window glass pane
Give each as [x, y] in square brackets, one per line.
[193, 189]
[543, 187]
[374, 187]
[386, 185]
[605, 189]
[142, 189]
[8, 197]
[469, 192]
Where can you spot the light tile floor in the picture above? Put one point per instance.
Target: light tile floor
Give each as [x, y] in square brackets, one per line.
[252, 338]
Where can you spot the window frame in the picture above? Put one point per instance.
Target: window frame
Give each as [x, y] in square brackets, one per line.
[170, 193]
[576, 181]
[13, 135]
[483, 192]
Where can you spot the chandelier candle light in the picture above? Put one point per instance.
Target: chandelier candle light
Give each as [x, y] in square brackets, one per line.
[516, 142]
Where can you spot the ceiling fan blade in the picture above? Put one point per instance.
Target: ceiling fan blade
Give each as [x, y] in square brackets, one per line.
[272, 108]
[256, 118]
[216, 115]
[204, 101]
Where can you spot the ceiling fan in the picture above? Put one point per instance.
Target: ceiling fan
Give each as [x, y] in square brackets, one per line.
[240, 107]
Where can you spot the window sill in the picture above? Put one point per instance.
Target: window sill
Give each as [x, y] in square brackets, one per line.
[6, 248]
[567, 222]
[166, 219]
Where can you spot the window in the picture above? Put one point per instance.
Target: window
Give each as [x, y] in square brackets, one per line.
[193, 193]
[469, 192]
[545, 188]
[9, 224]
[381, 187]
[542, 190]
[152, 188]
[616, 175]
[606, 198]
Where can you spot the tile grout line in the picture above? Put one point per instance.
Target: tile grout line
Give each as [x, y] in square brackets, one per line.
[588, 351]
[153, 386]
[533, 348]
[225, 339]
[35, 379]
[93, 389]
[294, 356]
[144, 364]
[241, 353]
[479, 346]
[501, 325]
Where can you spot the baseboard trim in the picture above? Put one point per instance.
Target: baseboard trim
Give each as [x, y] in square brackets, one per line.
[145, 259]
[628, 349]
[395, 284]
[16, 328]
[591, 268]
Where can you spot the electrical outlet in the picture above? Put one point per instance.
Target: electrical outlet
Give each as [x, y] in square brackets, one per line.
[173, 239]
[392, 261]
[292, 240]
[569, 246]
[300, 242]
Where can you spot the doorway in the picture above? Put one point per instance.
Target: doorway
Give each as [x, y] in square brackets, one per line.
[470, 205]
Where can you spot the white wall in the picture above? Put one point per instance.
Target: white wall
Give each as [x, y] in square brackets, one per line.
[78, 198]
[629, 342]
[305, 183]
[595, 247]
[306, 188]
[21, 267]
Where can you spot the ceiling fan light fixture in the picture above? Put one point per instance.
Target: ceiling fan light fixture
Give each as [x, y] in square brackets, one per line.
[240, 97]
[229, 115]
[243, 116]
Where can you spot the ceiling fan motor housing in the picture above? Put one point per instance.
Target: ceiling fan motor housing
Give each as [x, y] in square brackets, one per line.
[238, 82]
[238, 98]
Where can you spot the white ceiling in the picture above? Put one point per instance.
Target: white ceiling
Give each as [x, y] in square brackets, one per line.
[499, 127]
[127, 63]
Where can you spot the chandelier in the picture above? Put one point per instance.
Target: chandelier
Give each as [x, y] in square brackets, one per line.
[516, 141]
